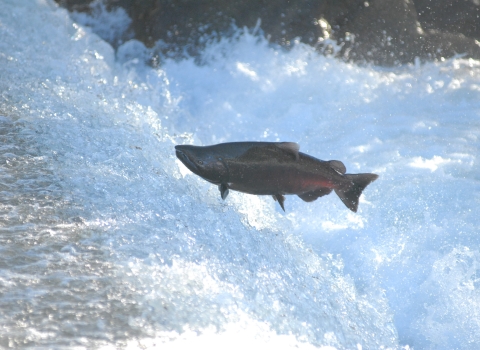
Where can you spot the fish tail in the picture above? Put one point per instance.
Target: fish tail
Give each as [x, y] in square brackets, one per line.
[350, 195]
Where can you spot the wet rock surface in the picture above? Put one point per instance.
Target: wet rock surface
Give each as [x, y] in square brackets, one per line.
[383, 32]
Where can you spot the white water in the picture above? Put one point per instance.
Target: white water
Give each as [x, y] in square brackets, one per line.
[107, 241]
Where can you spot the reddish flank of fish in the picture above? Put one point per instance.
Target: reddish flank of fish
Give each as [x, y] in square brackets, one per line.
[273, 168]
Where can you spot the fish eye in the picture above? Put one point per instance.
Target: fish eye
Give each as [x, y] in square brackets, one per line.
[200, 162]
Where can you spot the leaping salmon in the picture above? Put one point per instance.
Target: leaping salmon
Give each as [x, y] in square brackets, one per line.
[273, 168]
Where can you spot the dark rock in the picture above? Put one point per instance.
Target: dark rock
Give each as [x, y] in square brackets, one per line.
[388, 32]
[384, 32]
[452, 16]
[76, 5]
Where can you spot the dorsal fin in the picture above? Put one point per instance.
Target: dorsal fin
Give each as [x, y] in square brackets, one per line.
[338, 166]
[290, 147]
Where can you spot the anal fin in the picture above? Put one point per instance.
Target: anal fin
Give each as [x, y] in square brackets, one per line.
[313, 195]
[280, 198]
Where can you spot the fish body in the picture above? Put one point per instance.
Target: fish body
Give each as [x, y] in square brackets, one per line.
[273, 168]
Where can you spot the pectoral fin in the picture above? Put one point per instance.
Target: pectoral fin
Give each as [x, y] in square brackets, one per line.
[223, 191]
[280, 198]
[313, 195]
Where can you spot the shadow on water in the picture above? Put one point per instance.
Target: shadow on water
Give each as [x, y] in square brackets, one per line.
[55, 278]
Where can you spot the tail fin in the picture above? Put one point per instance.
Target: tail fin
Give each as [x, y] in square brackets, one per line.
[350, 195]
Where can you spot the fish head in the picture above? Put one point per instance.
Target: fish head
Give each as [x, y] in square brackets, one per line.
[204, 162]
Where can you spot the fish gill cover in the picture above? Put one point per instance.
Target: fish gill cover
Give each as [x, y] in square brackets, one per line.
[108, 241]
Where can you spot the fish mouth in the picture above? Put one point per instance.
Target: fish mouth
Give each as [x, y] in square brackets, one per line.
[185, 159]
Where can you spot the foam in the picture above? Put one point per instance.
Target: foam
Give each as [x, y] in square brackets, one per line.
[107, 241]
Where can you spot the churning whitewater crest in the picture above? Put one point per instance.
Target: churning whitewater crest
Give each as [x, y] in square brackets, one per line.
[107, 242]
[103, 245]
